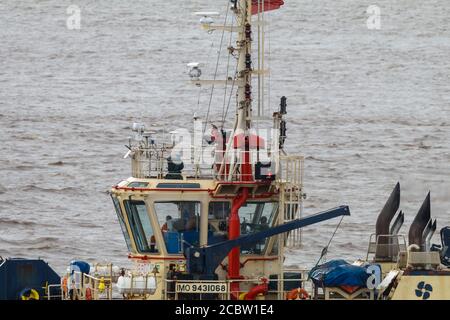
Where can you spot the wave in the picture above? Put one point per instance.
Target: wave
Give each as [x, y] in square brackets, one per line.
[44, 239]
[41, 247]
[62, 163]
[31, 242]
[65, 190]
[87, 225]
[56, 163]
[24, 167]
[316, 159]
[7, 221]
[24, 137]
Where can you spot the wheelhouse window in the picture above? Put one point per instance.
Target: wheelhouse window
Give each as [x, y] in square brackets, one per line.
[179, 222]
[219, 210]
[141, 226]
[121, 219]
[256, 217]
[218, 213]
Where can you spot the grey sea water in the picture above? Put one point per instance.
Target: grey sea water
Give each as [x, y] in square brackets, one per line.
[367, 108]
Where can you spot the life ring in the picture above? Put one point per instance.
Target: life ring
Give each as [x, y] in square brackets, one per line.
[88, 294]
[29, 294]
[296, 293]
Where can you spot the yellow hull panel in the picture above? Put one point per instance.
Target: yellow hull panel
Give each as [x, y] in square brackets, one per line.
[423, 287]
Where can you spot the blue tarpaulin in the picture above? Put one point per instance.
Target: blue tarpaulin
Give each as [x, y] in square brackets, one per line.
[77, 265]
[336, 273]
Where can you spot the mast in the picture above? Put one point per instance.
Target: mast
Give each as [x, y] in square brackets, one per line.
[243, 12]
[244, 92]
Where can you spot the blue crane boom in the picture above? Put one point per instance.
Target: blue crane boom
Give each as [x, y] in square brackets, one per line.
[203, 261]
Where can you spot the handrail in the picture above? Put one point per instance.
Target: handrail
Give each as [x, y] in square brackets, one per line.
[303, 280]
[49, 296]
[395, 245]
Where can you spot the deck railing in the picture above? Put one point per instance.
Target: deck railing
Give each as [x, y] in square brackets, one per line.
[385, 247]
[54, 292]
[179, 289]
[153, 162]
[291, 178]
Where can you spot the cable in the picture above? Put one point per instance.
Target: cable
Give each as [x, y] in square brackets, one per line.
[200, 88]
[226, 81]
[215, 72]
[325, 249]
[229, 98]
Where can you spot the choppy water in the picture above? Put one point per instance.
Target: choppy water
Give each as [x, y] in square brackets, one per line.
[366, 108]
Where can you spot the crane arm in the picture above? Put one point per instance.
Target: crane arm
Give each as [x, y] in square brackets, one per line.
[205, 260]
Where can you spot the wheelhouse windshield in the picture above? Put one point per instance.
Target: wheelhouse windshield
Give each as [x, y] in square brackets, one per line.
[121, 219]
[141, 226]
[256, 217]
[179, 223]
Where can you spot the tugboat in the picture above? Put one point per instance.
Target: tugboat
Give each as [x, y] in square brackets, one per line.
[218, 229]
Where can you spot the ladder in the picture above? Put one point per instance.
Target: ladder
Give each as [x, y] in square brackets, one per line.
[291, 180]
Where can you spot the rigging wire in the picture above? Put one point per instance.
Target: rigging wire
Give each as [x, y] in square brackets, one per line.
[325, 249]
[215, 72]
[230, 96]
[225, 111]
[200, 88]
[227, 75]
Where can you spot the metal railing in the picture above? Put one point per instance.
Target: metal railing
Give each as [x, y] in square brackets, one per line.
[291, 177]
[59, 295]
[82, 286]
[172, 288]
[153, 162]
[385, 247]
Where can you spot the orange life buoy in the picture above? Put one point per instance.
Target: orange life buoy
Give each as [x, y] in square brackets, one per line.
[88, 294]
[296, 293]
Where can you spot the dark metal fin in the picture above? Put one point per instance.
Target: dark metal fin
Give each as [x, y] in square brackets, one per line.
[398, 223]
[383, 251]
[388, 212]
[416, 230]
[428, 233]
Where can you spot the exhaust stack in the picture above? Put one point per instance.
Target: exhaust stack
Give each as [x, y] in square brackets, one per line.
[388, 212]
[383, 230]
[395, 227]
[422, 228]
